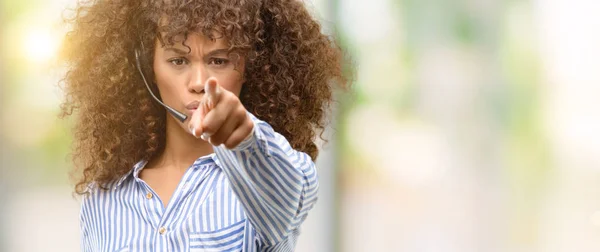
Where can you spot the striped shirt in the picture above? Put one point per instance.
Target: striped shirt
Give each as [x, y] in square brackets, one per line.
[251, 198]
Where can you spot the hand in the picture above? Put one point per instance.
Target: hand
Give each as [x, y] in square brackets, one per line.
[221, 118]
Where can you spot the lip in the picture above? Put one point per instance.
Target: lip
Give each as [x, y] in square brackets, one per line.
[192, 105]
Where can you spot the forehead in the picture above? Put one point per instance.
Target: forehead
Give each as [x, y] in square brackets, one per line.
[194, 39]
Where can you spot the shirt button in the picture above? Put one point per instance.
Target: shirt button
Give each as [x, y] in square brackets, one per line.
[162, 230]
[149, 196]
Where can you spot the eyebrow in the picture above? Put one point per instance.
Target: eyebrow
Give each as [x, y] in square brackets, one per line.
[176, 50]
[211, 53]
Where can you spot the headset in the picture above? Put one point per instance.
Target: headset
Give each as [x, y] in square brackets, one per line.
[138, 58]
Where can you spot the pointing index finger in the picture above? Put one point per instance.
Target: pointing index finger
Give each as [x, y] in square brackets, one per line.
[212, 91]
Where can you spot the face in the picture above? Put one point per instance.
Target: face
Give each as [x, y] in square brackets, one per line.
[181, 72]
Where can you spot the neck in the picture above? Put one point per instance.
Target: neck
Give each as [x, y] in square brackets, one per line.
[181, 148]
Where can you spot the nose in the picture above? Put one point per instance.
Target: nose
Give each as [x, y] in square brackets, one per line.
[197, 79]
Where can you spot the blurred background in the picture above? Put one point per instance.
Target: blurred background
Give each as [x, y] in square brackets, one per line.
[471, 126]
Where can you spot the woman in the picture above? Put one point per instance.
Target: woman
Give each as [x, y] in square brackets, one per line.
[252, 77]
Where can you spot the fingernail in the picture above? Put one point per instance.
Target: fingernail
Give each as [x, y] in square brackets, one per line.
[205, 136]
[193, 131]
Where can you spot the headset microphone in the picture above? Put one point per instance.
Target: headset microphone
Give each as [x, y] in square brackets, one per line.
[180, 116]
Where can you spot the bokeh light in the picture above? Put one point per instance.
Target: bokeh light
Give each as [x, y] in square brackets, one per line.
[40, 45]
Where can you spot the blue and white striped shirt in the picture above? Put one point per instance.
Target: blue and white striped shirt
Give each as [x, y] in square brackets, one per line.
[251, 198]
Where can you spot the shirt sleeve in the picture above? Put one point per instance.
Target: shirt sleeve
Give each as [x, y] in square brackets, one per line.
[276, 184]
[86, 245]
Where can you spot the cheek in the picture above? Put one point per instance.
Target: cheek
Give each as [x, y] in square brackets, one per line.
[165, 82]
[234, 79]
[233, 82]
[233, 85]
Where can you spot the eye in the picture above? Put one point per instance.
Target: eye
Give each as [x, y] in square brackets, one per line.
[178, 61]
[218, 61]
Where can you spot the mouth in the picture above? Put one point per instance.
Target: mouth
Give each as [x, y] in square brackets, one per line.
[192, 105]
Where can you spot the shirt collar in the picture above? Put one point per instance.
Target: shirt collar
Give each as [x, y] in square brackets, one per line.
[208, 159]
[135, 171]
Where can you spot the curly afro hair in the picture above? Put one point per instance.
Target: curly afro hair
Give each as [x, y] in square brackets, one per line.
[291, 69]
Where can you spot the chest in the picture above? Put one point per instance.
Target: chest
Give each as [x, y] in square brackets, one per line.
[201, 214]
[161, 184]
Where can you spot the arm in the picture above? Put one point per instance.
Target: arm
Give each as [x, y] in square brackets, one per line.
[276, 184]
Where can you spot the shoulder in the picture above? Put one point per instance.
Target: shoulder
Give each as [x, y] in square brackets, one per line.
[95, 193]
[95, 190]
